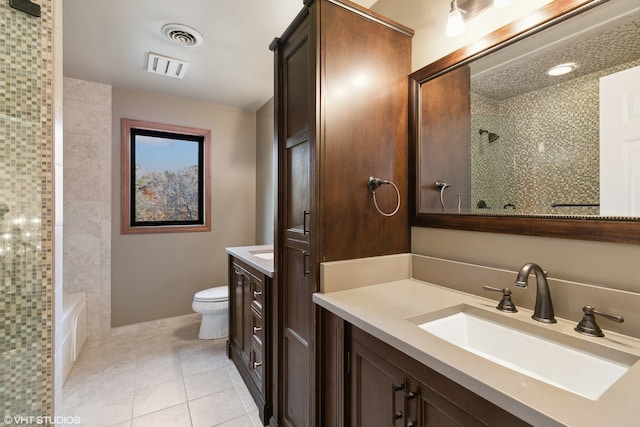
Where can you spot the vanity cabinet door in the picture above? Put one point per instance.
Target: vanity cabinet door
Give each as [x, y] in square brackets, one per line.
[389, 388]
[377, 387]
[427, 408]
[237, 306]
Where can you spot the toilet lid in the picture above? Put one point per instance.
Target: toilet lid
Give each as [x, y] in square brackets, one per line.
[221, 293]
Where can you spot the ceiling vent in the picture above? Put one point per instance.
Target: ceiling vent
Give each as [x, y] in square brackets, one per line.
[160, 64]
[182, 35]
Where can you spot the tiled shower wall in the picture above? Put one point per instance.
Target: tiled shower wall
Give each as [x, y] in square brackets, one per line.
[87, 199]
[548, 150]
[26, 190]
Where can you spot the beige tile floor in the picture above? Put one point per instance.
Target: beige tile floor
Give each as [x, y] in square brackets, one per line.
[165, 376]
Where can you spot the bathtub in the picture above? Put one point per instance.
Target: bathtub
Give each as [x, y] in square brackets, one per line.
[74, 329]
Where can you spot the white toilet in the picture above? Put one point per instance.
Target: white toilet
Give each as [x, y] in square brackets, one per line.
[213, 304]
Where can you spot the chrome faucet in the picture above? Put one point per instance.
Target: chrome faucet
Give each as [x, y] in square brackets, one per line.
[544, 308]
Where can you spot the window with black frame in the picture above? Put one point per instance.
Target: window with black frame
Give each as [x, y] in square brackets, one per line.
[165, 178]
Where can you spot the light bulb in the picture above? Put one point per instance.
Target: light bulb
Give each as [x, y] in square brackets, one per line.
[455, 23]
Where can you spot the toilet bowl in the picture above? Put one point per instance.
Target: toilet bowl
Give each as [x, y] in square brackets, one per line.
[213, 304]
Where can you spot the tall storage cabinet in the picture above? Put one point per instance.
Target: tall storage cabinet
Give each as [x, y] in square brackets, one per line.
[341, 99]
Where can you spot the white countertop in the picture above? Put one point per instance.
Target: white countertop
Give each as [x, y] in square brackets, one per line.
[384, 310]
[250, 255]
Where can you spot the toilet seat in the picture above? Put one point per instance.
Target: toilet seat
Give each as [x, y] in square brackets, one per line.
[218, 294]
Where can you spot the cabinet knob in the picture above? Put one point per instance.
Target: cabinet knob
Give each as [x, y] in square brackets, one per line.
[256, 294]
[398, 387]
[256, 364]
[398, 415]
[411, 424]
[257, 329]
[411, 395]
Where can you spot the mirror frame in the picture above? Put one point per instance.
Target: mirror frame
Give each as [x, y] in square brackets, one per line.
[618, 229]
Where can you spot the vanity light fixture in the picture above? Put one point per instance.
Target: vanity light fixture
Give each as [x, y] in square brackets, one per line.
[455, 23]
[561, 69]
[470, 8]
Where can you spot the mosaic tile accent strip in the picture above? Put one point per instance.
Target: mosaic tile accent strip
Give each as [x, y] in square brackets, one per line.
[26, 190]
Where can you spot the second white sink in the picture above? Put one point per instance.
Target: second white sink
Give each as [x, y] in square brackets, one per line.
[580, 372]
[263, 254]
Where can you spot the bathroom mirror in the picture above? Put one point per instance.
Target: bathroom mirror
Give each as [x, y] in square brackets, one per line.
[498, 145]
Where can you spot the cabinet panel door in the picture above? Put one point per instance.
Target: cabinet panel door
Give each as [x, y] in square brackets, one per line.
[296, 283]
[296, 321]
[298, 170]
[246, 314]
[237, 307]
[427, 408]
[377, 389]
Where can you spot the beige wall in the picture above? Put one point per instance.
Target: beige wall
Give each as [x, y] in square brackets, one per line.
[590, 262]
[265, 174]
[155, 276]
[599, 263]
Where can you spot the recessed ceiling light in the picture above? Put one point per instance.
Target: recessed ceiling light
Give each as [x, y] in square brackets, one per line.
[561, 69]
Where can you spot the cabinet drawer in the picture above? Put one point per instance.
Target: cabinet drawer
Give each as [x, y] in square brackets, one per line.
[256, 365]
[257, 329]
[257, 294]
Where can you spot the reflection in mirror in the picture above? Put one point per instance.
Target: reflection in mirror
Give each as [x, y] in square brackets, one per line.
[538, 144]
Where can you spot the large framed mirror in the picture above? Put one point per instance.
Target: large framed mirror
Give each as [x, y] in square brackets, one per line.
[500, 145]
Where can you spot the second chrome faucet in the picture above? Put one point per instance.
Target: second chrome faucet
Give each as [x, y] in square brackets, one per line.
[543, 311]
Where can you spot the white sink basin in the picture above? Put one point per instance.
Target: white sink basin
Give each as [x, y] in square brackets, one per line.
[572, 369]
[263, 255]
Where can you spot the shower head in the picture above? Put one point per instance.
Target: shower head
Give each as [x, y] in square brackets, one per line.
[492, 136]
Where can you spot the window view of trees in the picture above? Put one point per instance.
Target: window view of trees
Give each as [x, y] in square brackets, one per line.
[166, 196]
[166, 187]
[165, 178]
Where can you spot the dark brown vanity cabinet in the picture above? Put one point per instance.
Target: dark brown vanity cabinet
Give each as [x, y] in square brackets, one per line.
[368, 383]
[249, 331]
[389, 388]
[341, 101]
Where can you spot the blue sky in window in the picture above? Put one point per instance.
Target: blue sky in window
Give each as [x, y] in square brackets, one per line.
[161, 154]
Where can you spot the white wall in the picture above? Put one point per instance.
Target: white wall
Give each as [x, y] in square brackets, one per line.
[156, 275]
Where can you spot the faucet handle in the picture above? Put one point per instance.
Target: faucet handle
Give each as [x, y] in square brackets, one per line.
[505, 303]
[588, 325]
